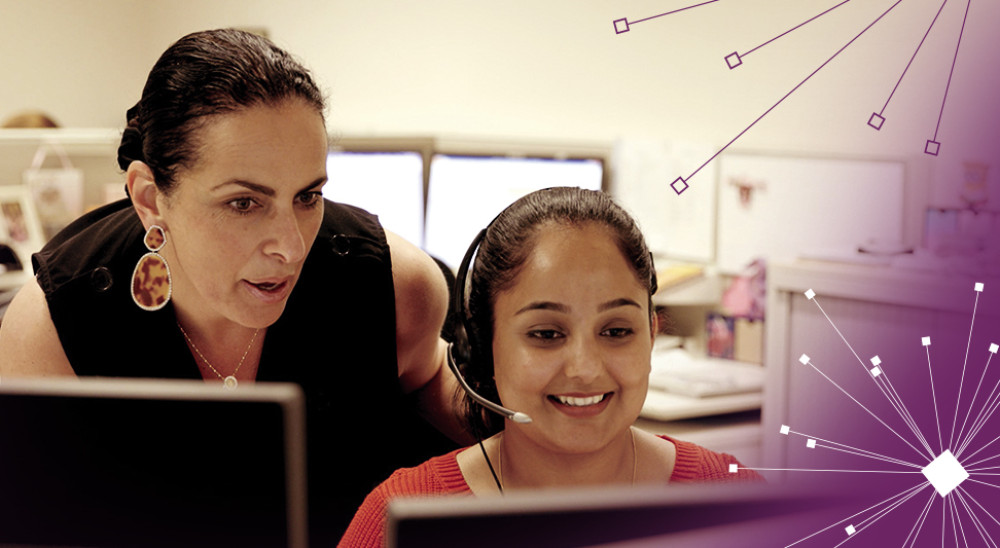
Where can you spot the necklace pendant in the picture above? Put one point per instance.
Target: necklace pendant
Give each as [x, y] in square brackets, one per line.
[230, 383]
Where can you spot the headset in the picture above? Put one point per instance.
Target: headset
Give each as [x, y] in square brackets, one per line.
[462, 345]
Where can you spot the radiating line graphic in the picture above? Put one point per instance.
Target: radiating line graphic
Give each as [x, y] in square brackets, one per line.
[959, 481]
[933, 146]
[877, 120]
[735, 59]
[624, 25]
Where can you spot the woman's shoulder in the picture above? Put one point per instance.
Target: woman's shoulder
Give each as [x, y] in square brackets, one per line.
[91, 244]
[697, 463]
[345, 220]
[438, 475]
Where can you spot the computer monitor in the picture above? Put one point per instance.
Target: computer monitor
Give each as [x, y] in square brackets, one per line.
[466, 192]
[689, 515]
[107, 463]
[388, 184]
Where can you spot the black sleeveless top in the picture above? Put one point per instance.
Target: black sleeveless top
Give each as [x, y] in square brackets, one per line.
[336, 339]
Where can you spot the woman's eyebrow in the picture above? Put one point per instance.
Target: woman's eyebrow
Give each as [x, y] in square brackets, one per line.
[558, 307]
[615, 303]
[264, 189]
[543, 305]
[258, 188]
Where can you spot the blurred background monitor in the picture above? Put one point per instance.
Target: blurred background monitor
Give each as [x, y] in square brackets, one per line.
[466, 192]
[388, 184]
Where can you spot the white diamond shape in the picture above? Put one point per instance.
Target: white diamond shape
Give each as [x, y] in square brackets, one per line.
[945, 473]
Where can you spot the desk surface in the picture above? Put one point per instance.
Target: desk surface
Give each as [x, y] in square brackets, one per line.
[662, 406]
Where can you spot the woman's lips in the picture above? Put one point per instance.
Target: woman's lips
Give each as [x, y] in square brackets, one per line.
[269, 290]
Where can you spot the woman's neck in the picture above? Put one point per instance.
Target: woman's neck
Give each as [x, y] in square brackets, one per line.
[522, 463]
[221, 348]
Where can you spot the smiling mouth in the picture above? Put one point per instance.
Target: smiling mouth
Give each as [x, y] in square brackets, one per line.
[572, 401]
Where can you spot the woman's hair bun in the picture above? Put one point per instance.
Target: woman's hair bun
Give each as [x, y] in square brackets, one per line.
[130, 148]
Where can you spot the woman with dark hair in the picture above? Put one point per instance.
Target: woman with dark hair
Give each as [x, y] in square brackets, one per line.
[226, 264]
[560, 328]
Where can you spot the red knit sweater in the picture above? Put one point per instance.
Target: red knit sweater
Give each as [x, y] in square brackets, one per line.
[442, 476]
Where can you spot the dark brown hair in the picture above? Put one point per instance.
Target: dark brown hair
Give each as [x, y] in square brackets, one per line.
[204, 74]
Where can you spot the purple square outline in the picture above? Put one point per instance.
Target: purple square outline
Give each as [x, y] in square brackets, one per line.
[876, 121]
[680, 180]
[623, 20]
[932, 148]
[738, 62]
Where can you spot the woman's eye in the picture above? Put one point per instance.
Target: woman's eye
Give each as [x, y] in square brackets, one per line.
[242, 205]
[310, 199]
[545, 334]
[617, 332]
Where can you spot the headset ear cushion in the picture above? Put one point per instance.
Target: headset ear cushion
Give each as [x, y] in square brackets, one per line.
[460, 347]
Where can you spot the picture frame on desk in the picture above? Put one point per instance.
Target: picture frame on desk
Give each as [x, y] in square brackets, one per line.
[721, 333]
[20, 228]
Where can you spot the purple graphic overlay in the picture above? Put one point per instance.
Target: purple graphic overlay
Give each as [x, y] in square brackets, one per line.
[902, 404]
[876, 121]
[624, 25]
[881, 113]
[790, 93]
[789, 31]
[951, 73]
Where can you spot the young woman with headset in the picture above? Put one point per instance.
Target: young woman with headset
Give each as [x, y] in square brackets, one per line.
[559, 327]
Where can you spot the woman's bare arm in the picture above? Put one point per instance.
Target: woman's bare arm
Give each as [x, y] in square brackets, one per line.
[29, 344]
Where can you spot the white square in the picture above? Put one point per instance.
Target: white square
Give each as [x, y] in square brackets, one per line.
[876, 360]
[811, 444]
[850, 529]
[945, 473]
[810, 294]
[994, 348]
[785, 429]
[733, 468]
[803, 359]
[876, 371]
[979, 287]
[926, 341]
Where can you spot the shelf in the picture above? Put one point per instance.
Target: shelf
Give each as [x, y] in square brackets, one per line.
[705, 290]
[80, 140]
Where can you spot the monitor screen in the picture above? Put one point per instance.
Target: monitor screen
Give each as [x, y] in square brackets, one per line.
[388, 184]
[689, 515]
[151, 463]
[466, 192]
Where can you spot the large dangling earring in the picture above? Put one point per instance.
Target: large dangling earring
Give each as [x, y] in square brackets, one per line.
[151, 285]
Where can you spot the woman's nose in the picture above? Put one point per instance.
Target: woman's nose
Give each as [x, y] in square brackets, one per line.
[584, 361]
[287, 241]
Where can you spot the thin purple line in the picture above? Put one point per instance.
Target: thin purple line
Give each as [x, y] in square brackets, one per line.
[671, 12]
[761, 117]
[907, 69]
[952, 73]
[795, 28]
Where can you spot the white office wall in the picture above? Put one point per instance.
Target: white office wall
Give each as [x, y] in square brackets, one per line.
[554, 70]
[82, 62]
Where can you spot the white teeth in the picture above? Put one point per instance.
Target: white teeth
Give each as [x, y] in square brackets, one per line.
[580, 402]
